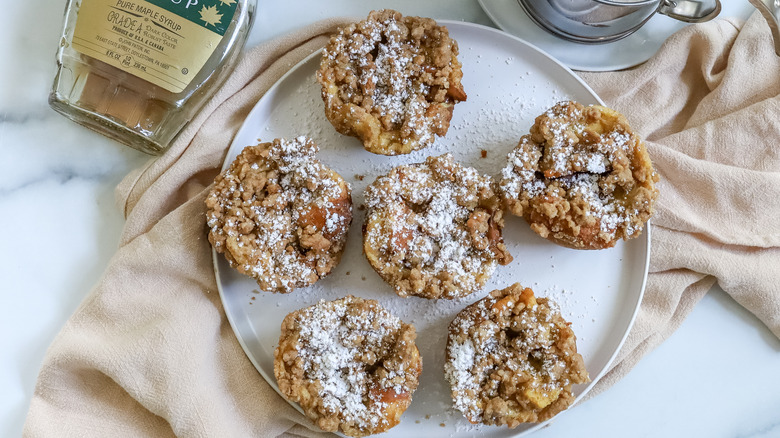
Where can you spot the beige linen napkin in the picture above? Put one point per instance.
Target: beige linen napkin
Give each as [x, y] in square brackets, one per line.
[150, 352]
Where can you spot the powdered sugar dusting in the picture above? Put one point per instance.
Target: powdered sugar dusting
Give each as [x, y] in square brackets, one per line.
[509, 346]
[392, 73]
[350, 363]
[584, 156]
[263, 214]
[423, 219]
[330, 340]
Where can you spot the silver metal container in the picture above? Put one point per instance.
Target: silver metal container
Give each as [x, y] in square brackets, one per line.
[602, 21]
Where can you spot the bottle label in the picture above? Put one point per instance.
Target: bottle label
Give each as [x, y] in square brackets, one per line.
[165, 42]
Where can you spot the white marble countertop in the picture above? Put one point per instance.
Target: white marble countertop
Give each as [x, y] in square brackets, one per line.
[717, 376]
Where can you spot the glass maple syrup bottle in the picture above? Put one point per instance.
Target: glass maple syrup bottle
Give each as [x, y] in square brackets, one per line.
[138, 70]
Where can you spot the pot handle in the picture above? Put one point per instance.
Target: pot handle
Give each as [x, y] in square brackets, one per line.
[771, 12]
[690, 11]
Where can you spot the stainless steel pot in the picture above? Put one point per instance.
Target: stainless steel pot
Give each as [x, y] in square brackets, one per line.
[602, 21]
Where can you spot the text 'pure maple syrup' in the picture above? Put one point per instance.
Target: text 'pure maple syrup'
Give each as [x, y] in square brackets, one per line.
[138, 70]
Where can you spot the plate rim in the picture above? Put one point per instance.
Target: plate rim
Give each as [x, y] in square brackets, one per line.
[271, 380]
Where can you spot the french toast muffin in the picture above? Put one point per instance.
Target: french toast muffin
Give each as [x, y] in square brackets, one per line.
[349, 364]
[434, 229]
[391, 81]
[581, 178]
[279, 215]
[512, 359]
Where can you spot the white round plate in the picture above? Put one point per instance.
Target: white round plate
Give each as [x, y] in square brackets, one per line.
[628, 52]
[508, 83]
